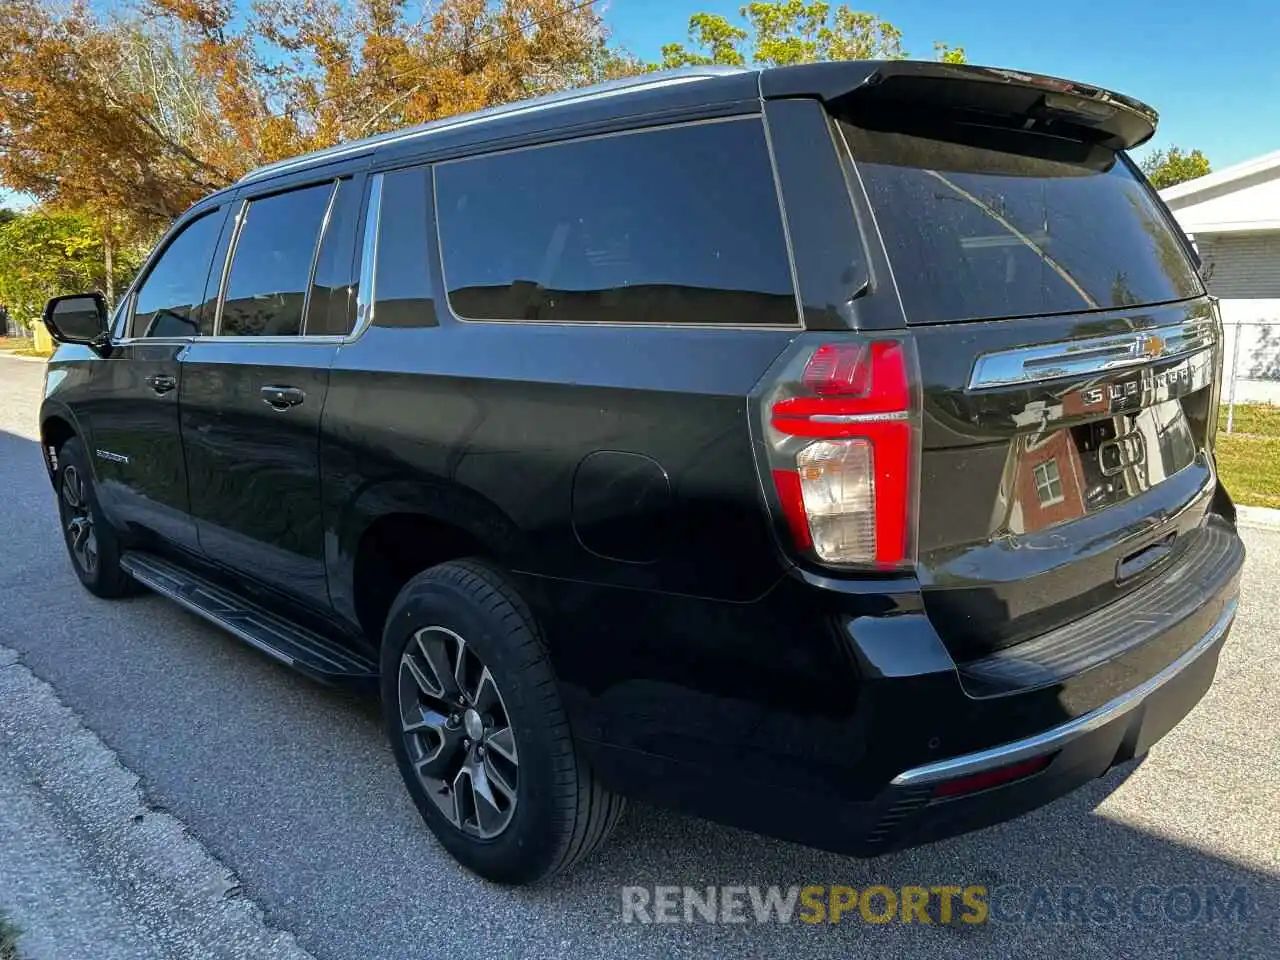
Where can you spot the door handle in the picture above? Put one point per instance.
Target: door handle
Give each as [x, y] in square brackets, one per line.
[161, 382]
[282, 398]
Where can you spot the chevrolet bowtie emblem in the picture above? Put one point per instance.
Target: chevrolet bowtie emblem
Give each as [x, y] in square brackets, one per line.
[1147, 345]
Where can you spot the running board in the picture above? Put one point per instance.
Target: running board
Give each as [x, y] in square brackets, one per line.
[305, 650]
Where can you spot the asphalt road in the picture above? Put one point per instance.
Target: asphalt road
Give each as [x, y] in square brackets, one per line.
[291, 787]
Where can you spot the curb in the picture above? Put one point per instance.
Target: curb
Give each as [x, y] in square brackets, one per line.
[90, 866]
[1263, 518]
[4, 354]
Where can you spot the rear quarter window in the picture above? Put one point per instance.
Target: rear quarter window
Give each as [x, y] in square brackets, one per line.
[402, 285]
[678, 225]
[984, 223]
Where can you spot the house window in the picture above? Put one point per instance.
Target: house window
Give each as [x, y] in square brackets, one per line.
[1048, 483]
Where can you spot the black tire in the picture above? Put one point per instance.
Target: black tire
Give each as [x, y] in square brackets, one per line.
[559, 813]
[91, 543]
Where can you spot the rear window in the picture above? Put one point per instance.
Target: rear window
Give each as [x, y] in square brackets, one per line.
[985, 223]
[673, 226]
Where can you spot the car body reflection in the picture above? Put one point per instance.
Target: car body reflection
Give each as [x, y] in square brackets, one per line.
[1134, 435]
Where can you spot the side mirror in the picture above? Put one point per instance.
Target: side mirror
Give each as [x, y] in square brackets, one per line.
[79, 318]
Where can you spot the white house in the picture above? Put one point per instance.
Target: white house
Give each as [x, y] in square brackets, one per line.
[1233, 216]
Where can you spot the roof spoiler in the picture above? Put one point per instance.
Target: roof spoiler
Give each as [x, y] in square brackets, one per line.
[1094, 114]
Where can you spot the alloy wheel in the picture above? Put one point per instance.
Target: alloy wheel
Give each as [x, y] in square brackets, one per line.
[458, 732]
[78, 521]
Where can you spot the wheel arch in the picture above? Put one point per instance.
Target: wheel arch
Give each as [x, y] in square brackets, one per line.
[57, 426]
[393, 530]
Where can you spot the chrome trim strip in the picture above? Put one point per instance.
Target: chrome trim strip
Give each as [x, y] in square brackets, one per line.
[315, 256]
[366, 282]
[224, 276]
[1058, 737]
[600, 92]
[1091, 356]
[209, 338]
[858, 417]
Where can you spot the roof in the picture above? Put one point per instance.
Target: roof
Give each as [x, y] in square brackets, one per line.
[896, 85]
[599, 91]
[1258, 167]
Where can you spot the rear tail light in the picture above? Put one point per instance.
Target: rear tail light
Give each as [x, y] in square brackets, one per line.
[841, 436]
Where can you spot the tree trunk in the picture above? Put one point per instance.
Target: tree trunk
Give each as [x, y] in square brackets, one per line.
[109, 263]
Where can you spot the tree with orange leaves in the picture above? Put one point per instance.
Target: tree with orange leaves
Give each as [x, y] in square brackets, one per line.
[137, 118]
[80, 122]
[133, 117]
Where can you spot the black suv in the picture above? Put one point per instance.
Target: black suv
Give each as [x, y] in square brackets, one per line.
[826, 450]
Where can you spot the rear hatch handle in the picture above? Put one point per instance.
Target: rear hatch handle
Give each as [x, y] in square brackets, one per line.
[1146, 558]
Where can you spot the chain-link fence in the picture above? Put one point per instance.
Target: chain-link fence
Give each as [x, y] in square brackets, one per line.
[1251, 365]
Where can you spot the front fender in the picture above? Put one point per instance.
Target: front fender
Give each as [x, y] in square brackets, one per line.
[58, 422]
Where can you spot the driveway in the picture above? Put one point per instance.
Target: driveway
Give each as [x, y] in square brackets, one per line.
[291, 787]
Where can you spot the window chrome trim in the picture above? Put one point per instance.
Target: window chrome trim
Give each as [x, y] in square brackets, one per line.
[315, 257]
[242, 214]
[216, 337]
[367, 280]
[280, 338]
[1091, 356]
[210, 338]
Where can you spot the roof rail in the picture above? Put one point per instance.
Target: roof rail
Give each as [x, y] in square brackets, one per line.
[599, 91]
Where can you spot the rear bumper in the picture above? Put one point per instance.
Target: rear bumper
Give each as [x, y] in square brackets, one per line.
[1076, 752]
[1122, 708]
[856, 714]
[906, 812]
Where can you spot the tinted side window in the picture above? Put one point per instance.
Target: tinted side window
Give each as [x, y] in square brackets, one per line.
[402, 283]
[168, 302]
[678, 225]
[271, 266]
[329, 310]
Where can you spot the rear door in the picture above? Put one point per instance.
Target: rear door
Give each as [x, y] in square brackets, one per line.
[1068, 356]
[252, 394]
[142, 477]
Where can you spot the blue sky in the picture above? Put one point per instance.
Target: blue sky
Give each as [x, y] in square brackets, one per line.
[1211, 70]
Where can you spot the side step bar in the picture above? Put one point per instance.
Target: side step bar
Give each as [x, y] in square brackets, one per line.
[305, 650]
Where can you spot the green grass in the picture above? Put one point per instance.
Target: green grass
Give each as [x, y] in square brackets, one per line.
[1249, 456]
[8, 939]
[1250, 468]
[1260, 419]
